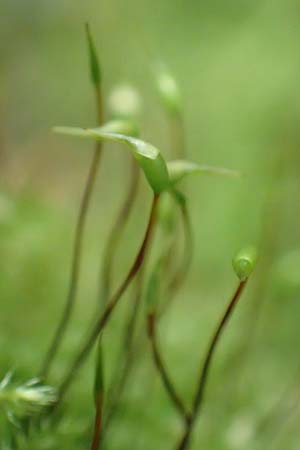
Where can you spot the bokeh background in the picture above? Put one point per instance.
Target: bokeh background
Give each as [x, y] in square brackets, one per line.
[237, 64]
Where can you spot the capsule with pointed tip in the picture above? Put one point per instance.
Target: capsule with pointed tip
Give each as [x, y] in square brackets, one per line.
[244, 262]
[95, 70]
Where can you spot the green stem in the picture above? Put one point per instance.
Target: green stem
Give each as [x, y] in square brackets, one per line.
[160, 366]
[105, 316]
[199, 396]
[114, 396]
[120, 377]
[77, 249]
[106, 281]
[116, 232]
[97, 425]
[179, 277]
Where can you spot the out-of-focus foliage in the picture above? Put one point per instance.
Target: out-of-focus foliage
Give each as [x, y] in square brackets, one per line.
[237, 64]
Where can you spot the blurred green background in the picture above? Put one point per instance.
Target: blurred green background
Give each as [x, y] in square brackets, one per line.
[237, 64]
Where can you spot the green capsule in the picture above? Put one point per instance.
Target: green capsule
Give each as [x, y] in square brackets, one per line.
[244, 262]
[124, 102]
[169, 92]
[94, 62]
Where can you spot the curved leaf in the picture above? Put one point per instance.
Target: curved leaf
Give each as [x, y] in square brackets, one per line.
[181, 168]
[120, 126]
[148, 156]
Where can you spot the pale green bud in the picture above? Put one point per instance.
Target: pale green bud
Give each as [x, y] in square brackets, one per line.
[169, 92]
[244, 262]
[124, 102]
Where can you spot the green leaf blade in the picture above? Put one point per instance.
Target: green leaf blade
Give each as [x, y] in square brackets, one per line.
[149, 157]
[180, 169]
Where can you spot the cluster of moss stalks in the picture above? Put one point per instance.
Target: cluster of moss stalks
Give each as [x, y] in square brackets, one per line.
[155, 286]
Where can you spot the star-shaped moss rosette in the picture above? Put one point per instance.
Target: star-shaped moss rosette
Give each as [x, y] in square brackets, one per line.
[20, 400]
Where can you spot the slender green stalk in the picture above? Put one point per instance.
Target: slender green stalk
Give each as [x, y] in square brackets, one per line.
[179, 277]
[161, 368]
[128, 347]
[98, 397]
[97, 425]
[121, 375]
[178, 147]
[184, 442]
[81, 222]
[133, 314]
[116, 232]
[115, 394]
[269, 238]
[171, 98]
[107, 275]
[105, 316]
